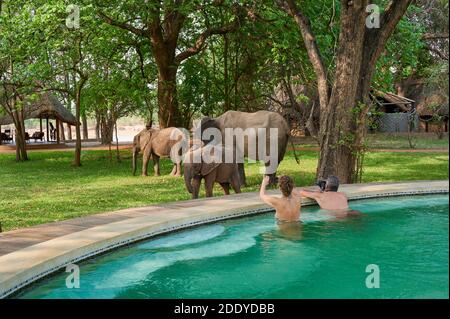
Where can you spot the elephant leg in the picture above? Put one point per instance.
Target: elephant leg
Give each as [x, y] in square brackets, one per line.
[196, 181]
[174, 170]
[226, 188]
[273, 177]
[145, 160]
[156, 165]
[209, 184]
[242, 174]
[235, 183]
[178, 169]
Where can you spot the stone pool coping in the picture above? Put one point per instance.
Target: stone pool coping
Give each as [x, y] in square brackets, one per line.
[32, 254]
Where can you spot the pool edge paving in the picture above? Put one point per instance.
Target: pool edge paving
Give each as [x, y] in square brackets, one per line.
[35, 252]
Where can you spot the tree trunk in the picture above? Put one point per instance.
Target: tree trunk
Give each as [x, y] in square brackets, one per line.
[168, 108]
[225, 73]
[343, 111]
[85, 127]
[107, 131]
[19, 124]
[69, 131]
[336, 135]
[97, 125]
[77, 159]
[117, 143]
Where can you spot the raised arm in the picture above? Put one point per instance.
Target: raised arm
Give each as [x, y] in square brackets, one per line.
[269, 200]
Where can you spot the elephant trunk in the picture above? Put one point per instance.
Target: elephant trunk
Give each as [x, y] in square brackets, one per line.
[188, 178]
[135, 153]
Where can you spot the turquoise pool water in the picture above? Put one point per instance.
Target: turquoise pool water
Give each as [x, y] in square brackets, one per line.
[253, 257]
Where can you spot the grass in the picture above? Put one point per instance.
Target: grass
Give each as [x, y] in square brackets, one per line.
[47, 188]
[400, 141]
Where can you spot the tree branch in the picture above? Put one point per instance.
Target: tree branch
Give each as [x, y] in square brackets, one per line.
[201, 40]
[122, 25]
[377, 38]
[434, 36]
[200, 43]
[311, 47]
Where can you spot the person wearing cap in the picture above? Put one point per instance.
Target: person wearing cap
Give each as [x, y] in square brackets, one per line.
[328, 197]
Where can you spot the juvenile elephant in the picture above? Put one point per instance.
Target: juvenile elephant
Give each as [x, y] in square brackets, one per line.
[225, 174]
[156, 143]
[245, 120]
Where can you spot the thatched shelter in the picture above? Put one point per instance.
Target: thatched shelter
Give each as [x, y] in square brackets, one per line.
[433, 106]
[398, 111]
[47, 107]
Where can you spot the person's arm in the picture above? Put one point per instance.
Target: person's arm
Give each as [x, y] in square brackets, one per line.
[269, 200]
[310, 194]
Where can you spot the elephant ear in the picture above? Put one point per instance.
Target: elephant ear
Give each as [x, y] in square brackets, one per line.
[208, 168]
[214, 159]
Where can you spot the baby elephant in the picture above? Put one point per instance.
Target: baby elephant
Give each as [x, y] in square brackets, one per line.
[217, 170]
[154, 144]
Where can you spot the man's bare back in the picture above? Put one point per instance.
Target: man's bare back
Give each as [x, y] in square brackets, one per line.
[287, 207]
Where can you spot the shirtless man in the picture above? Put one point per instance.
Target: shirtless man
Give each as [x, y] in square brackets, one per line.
[288, 206]
[330, 198]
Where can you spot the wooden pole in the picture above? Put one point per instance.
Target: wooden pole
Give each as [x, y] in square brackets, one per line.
[69, 131]
[48, 139]
[62, 135]
[40, 124]
[58, 140]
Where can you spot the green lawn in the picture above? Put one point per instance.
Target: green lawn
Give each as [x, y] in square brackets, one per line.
[47, 188]
[400, 141]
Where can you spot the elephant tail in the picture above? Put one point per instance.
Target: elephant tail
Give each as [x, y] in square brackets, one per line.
[295, 153]
[188, 179]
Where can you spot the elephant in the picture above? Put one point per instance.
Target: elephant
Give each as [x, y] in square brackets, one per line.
[156, 143]
[225, 174]
[245, 120]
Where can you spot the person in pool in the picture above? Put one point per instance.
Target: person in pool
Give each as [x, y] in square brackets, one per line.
[287, 206]
[328, 197]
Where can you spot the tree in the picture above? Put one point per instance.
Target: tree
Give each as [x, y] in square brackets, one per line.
[162, 23]
[17, 56]
[344, 103]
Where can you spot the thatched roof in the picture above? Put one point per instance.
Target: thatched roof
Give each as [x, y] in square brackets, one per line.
[432, 104]
[46, 106]
[402, 102]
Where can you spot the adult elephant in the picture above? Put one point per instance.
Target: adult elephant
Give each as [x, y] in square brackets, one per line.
[156, 143]
[244, 120]
[213, 170]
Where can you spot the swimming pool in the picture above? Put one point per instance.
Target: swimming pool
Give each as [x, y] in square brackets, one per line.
[406, 238]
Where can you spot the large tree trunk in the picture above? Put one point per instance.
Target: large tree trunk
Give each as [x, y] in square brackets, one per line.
[163, 29]
[336, 135]
[168, 108]
[343, 112]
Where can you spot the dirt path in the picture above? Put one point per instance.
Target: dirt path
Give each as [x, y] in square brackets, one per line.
[5, 149]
